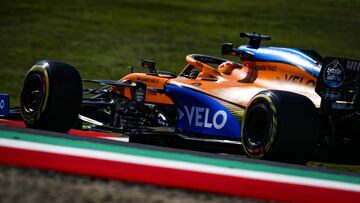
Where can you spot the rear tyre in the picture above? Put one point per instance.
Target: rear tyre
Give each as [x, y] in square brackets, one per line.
[280, 126]
[51, 96]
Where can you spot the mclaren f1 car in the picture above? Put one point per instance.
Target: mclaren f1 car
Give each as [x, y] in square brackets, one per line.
[278, 103]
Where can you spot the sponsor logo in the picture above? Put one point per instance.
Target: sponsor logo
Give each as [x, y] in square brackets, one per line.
[139, 95]
[334, 74]
[297, 80]
[265, 68]
[148, 80]
[332, 95]
[2, 104]
[201, 117]
[353, 65]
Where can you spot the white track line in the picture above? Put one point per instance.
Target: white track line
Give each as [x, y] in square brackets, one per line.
[182, 165]
[120, 139]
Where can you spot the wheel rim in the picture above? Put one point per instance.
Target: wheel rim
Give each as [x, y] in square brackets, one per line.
[258, 126]
[33, 93]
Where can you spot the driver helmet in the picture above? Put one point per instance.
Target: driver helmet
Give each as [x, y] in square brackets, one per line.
[227, 67]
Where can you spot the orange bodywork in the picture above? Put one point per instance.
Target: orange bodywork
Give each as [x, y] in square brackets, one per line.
[238, 87]
[151, 81]
[265, 75]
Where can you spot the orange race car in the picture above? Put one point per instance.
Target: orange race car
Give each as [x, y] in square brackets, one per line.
[278, 103]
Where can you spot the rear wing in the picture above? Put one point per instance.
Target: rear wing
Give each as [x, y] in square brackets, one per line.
[338, 84]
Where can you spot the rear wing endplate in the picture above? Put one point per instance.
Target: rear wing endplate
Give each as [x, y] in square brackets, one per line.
[338, 83]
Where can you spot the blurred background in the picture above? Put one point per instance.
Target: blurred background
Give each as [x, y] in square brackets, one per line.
[102, 38]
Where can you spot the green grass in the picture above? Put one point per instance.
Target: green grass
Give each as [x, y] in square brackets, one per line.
[337, 167]
[101, 38]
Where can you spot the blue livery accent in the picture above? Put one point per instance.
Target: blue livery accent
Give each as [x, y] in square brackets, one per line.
[4, 104]
[292, 56]
[200, 113]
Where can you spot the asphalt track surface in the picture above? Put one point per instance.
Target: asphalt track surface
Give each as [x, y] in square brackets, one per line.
[17, 176]
[32, 185]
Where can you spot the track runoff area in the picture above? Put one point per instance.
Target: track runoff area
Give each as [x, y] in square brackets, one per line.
[108, 156]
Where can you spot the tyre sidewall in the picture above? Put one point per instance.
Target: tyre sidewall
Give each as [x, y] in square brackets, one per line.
[62, 97]
[40, 69]
[294, 135]
[261, 149]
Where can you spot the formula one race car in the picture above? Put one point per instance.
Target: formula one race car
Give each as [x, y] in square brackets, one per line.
[278, 103]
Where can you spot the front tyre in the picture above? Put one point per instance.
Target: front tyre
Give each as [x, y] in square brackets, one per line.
[51, 96]
[280, 126]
